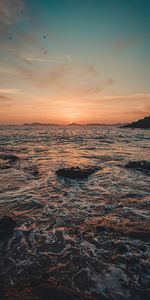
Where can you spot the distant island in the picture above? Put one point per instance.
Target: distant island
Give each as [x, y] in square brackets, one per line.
[101, 124]
[142, 123]
[74, 124]
[70, 124]
[39, 124]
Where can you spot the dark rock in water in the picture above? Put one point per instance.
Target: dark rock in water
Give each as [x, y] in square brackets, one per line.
[41, 291]
[10, 157]
[2, 294]
[142, 165]
[7, 224]
[56, 294]
[35, 172]
[6, 160]
[143, 123]
[56, 291]
[76, 172]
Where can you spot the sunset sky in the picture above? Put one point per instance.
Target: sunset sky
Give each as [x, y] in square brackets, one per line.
[78, 61]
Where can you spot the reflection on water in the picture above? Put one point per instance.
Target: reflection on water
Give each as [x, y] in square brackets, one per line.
[90, 236]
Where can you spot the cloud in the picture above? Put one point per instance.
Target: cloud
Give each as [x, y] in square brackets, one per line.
[10, 11]
[49, 79]
[88, 90]
[111, 81]
[56, 76]
[91, 71]
[31, 50]
[123, 44]
[59, 72]
[62, 79]
[31, 40]
[10, 91]
[143, 109]
[5, 101]
[123, 97]
[38, 59]
[4, 98]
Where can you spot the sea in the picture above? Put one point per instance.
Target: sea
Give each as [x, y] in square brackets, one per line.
[75, 239]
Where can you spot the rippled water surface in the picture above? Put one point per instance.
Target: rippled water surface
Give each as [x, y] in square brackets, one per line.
[89, 237]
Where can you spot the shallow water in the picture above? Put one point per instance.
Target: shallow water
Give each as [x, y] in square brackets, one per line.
[91, 236]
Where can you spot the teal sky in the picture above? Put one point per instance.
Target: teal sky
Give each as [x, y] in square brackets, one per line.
[74, 60]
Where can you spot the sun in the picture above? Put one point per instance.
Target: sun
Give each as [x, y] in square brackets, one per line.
[73, 117]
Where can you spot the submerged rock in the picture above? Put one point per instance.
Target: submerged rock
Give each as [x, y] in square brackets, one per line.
[76, 172]
[10, 157]
[59, 292]
[7, 224]
[142, 165]
[44, 291]
[143, 123]
[6, 160]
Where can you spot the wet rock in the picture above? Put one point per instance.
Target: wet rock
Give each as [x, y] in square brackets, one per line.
[76, 172]
[56, 294]
[7, 224]
[35, 172]
[1, 294]
[142, 165]
[6, 160]
[43, 291]
[61, 292]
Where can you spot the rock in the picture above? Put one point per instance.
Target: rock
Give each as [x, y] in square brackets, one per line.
[76, 172]
[142, 165]
[35, 172]
[6, 160]
[142, 123]
[10, 157]
[43, 291]
[56, 294]
[7, 224]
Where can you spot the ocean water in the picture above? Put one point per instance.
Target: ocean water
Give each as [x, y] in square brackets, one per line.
[90, 236]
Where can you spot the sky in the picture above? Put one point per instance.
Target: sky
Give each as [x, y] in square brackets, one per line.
[83, 61]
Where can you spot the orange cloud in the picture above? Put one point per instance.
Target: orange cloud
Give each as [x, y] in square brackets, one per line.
[10, 91]
[5, 101]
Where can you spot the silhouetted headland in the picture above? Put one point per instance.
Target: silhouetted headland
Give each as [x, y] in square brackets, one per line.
[142, 123]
